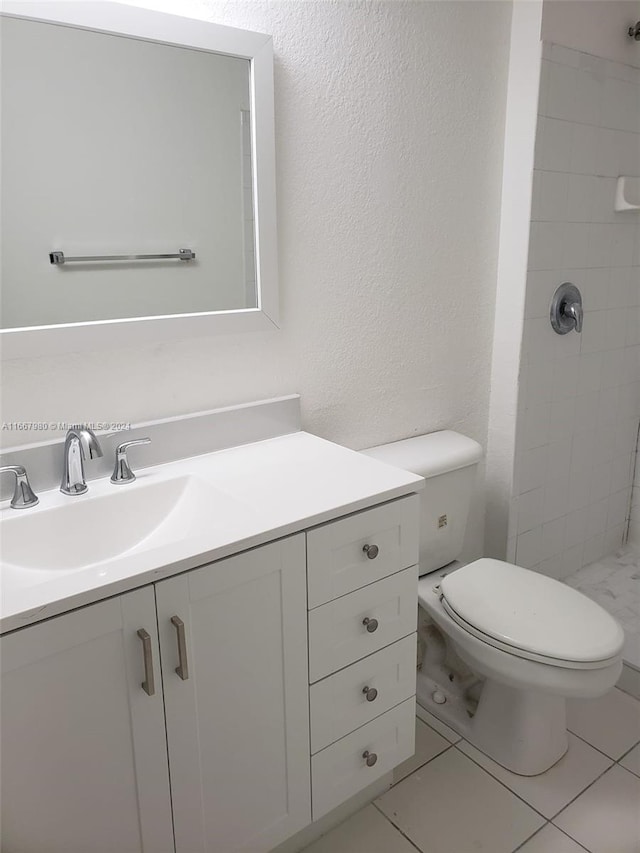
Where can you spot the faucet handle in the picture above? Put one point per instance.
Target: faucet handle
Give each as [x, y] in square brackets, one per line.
[122, 473]
[574, 310]
[23, 495]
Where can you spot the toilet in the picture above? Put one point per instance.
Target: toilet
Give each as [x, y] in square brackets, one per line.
[501, 648]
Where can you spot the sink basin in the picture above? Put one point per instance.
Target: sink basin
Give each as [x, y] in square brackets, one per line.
[75, 533]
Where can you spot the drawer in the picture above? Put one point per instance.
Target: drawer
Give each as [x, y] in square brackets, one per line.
[340, 771]
[340, 632]
[365, 690]
[336, 561]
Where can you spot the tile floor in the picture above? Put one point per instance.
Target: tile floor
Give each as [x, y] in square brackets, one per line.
[450, 798]
[614, 582]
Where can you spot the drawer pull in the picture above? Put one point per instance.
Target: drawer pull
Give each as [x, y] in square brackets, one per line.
[370, 624]
[369, 757]
[371, 693]
[371, 551]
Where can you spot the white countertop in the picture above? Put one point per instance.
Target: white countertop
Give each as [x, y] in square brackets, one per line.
[283, 485]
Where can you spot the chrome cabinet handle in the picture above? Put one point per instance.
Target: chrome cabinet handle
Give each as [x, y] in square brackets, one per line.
[369, 757]
[370, 692]
[183, 668]
[148, 685]
[370, 624]
[371, 551]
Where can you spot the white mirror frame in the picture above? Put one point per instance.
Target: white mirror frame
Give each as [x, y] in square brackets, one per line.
[123, 20]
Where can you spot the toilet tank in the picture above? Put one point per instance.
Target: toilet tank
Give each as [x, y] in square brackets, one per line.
[448, 461]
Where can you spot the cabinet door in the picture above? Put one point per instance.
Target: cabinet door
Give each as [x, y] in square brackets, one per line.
[234, 661]
[84, 760]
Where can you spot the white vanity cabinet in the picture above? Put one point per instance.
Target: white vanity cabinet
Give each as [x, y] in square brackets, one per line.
[238, 718]
[84, 747]
[219, 710]
[83, 750]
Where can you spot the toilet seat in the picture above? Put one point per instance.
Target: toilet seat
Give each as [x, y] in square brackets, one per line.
[530, 615]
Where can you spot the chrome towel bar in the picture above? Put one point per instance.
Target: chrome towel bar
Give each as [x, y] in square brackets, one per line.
[58, 258]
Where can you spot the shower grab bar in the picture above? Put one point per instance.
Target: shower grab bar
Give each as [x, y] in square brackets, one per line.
[58, 258]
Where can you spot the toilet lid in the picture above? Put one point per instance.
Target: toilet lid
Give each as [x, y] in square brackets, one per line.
[531, 612]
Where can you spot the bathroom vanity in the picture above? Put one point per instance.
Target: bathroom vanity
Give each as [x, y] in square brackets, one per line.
[221, 683]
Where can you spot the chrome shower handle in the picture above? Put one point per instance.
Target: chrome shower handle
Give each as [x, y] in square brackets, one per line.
[566, 312]
[574, 310]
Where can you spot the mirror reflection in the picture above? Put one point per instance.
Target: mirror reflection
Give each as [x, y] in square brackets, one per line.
[115, 146]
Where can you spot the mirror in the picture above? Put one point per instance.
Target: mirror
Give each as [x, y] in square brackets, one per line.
[138, 177]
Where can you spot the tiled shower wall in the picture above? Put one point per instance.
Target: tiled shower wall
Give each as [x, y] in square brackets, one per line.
[579, 395]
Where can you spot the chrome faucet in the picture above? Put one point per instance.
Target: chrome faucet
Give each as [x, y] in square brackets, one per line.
[80, 444]
[23, 495]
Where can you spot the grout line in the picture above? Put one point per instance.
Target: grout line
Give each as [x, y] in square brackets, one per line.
[590, 785]
[520, 797]
[528, 839]
[584, 740]
[627, 753]
[374, 802]
[424, 763]
[616, 760]
[420, 766]
[548, 823]
[397, 828]
[500, 782]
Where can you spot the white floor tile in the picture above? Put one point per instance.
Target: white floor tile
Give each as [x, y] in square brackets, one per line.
[610, 723]
[549, 792]
[551, 840]
[435, 723]
[453, 806]
[606, 818]
[367, 830]
[632, 760]
[629, 681]
[428, 745]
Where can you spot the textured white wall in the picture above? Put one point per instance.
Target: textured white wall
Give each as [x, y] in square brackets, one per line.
[389, 124]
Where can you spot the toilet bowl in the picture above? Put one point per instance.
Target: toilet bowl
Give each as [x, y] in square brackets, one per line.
[533, 641]
[501, 647]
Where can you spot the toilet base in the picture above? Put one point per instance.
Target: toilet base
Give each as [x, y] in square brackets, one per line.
[522, 730]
